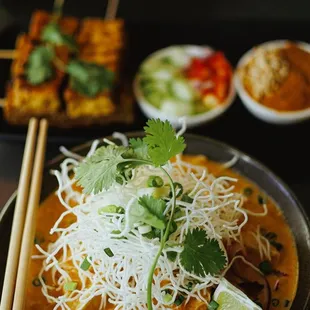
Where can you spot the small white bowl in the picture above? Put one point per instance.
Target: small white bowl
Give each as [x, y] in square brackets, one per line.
[257, 109]
[191, 120]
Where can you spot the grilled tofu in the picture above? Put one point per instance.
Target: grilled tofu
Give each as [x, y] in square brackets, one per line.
[68, 25]
[104, 34]
[27, 99]
[23, 48]
[81, 106]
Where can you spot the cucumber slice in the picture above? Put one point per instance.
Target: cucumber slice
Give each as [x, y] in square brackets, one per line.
[179, 57]
[173, 107]
[163, 74]
[182, 90]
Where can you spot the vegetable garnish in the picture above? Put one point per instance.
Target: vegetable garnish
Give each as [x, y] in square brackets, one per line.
[70, 286]
[85, 264]
[89, 79]
[39, 67]
[52, 34]
[110, 164]
[200, 255]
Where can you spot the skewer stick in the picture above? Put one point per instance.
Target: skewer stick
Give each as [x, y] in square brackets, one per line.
[2, 102]
[19, 217]
[112, 9]
[29, 228]
[7, 54]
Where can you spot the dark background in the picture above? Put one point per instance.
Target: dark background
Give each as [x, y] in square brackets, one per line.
[233, 26]
[197, 11]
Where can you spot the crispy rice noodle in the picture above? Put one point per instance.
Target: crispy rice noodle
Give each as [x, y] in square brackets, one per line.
[121, 280]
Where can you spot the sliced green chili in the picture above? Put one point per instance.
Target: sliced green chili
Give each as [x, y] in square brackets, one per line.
[155, 181]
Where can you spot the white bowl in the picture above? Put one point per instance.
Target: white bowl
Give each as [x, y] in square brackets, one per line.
[191, 120]
[257, 109]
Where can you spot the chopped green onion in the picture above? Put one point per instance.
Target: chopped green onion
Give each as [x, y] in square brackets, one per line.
[261, 200]
[190, 286]
[111, 209]
[178, 213]
[213, 305]
[108, 252]
[155, 181]
[172, 256]
[36, 282]
[167, 298]
[178, 189]
[265, 267]
[248, 191]
[178, 301]
[85, 264]
[187, 198]
[70, 286]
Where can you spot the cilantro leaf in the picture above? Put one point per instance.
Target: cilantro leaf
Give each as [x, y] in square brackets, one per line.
[39, 67]
[52, 34]
[149, 211]
[202, 256]
[101, 169]
[139, 147]
[162, 141]
[89, 79]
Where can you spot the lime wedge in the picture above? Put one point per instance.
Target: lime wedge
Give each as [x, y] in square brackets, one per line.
[231, 298]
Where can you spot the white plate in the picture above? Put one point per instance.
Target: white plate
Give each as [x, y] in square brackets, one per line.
[191, 120]
[260, 111]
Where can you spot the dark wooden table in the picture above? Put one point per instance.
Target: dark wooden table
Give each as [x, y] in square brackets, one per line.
[284, 149]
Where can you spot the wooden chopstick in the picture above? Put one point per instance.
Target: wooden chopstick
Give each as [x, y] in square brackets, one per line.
[19, 217]
[29, 228]
[111, 9]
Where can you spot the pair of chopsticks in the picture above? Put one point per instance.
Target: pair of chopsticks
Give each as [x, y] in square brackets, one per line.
[23, 228]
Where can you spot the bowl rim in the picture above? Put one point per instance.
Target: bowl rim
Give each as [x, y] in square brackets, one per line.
[244, 94]
[190, 119]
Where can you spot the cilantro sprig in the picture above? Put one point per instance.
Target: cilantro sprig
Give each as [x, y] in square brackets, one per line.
[111, 164]
[39, 67]
[201, 255]
[52, 34]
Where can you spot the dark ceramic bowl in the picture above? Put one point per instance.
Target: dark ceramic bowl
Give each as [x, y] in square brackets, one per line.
[246, 166]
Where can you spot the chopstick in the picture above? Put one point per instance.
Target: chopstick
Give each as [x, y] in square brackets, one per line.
[19, 217]
[29, 227]
[111, 9]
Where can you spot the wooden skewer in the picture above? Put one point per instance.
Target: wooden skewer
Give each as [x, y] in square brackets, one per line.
[7, 54]
[2, 102]
[29, 228]
[112, 9]
[19, 218]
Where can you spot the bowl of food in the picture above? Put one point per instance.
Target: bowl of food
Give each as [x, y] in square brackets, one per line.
[138, 225]
[188, 81]
[273, 81]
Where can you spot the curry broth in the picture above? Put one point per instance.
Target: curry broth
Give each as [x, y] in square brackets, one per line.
[274, 222]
